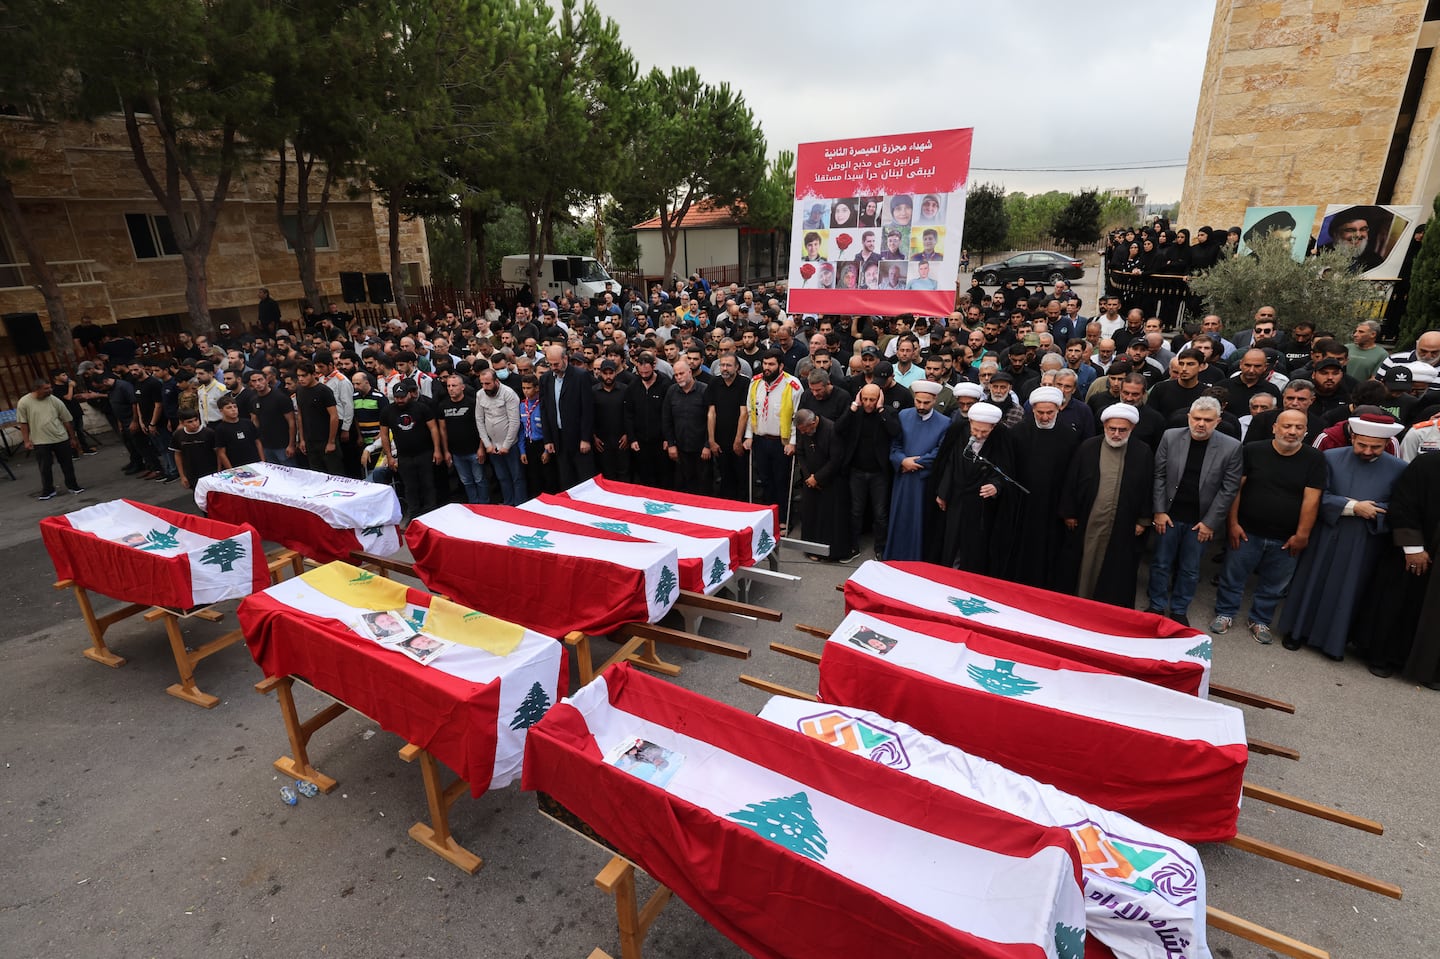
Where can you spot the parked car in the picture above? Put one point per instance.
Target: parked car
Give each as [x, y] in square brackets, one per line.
[1044, 265]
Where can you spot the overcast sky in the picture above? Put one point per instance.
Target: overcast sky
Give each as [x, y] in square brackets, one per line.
[1044, 83]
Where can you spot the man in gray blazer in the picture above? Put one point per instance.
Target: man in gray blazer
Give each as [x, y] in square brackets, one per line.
[1197, 474]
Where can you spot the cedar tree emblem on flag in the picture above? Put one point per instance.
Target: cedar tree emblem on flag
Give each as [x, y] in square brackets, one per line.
[1002, 679]
[765, 543]
[612, 527]
[1200, 651]
[786, 821]
[665, 586]
[717, 571]
[536, 702]
[536, 540]
[1069, 941]
[373, 531]
[656, 509]
[224, 554]
[158, 540]
[971, 605]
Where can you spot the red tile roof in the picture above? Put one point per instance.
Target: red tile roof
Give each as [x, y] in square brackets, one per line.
[702, 215]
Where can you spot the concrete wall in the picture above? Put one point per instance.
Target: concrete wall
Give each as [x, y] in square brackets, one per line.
[694, 250]
[1298, 105]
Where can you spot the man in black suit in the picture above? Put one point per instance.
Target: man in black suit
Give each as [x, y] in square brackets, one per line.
[567, 417]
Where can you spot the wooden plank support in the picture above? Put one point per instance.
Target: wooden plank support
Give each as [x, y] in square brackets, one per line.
[718, 604]
[816, 631]
[617, 880]
[796, 652]
[97, 625]
[1276, 798]
[1249, 699]
[675, 637]
[382, 564]
[185, 659]
[1269, 938]
[281, 558]
[435, 835]
[297, 764]
[1271, 749]
[775, 689]
[1319, 867]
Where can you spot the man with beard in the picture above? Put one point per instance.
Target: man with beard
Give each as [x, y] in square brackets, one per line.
[1336, 567]
[980, 506]
[497, 415]
[1044, 450]
[824, 399]
[614, 423]
[770, 430]
[567, 414]
[1270, 523]
[726, 415]
[1106, 507]
[1299, 396]
[1350, 230]
[408, 427]
[683, 424]
[912, 455]
[824, 506]
[460, 437]
[867, 435]
[652, 466]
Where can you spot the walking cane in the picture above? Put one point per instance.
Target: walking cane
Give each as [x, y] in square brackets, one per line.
[789, 493]
[750, 475]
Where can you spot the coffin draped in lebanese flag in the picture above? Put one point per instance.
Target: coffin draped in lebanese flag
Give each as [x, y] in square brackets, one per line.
[469, 705]
[547, 574]
[1152, 648]
[1172, 761]
[704, 559]
[750, 527]
[319, 516]
[1144, 890]
[793, 849]
[146, 554]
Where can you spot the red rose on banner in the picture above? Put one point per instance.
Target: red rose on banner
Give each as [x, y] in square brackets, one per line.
[807, 270]
[843, 242]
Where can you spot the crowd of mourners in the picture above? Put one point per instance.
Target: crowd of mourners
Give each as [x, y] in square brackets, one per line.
[1027, 435]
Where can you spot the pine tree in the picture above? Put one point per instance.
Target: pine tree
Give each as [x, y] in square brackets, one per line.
[1002, 679]
[656, 509]
[1200, 651]
[224, 553]
[536, 702]
[622, 528]
[158, 540]
[787, 821]
[536, 540]
[1069, 942]
[765, 545]
[717, 571]
[971, 605]
[665, 586]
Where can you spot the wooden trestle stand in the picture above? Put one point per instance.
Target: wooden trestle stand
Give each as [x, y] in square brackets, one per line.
[1215, 918]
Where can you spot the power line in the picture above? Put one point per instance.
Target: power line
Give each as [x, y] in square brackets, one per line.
[1158, 165]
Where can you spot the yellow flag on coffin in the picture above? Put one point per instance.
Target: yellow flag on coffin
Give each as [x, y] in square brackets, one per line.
[460, 624]
[356, 587]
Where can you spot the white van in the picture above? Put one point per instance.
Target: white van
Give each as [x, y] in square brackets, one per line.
[582, 276]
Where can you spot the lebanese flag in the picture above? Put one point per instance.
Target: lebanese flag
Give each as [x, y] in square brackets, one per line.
[1174, 762]
[704, 560]
[146, 554]
[470, 707]
[548, 574]
[319, 516]
[750, 526]
[1144, 890]
[777, 840]
[1152, 648]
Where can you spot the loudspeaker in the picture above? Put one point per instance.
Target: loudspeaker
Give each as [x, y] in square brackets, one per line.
[380, 290]
[26, 334]
[352, 287]
[562, 271]
[577, 268]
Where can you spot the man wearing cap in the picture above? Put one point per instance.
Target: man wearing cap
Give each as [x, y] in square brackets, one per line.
[614, 423]
[981, 508]
[1106, 508]
[408, 427]
[1336, 567]
[912, 456]
[1044, 448]
[1197, 474]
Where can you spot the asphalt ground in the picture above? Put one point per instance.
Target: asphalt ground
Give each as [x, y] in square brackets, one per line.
[135, 824]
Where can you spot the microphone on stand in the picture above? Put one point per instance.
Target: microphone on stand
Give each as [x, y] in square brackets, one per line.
[975, 456]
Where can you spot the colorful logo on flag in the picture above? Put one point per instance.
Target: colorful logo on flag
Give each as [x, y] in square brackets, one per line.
[971, 605]
[1142, 866]
[656, 509]
[1002, 679]
[612, 527]
[786, 821]
[242, 477]
[852, 735]
[332, 494]
[536, 540]
[364, 577]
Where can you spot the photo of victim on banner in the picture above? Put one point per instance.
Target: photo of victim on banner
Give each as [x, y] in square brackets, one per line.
[877, 224]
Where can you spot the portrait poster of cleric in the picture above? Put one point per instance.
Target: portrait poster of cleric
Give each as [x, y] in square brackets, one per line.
[1290, 223]
[877, 223]
[1378, 237]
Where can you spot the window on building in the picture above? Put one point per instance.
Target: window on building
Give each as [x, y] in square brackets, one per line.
[324, 231]
[10, 274]
[151, 235]
[413, 281]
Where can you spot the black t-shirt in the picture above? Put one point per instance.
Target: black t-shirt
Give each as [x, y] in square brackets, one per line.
[462, 436]
[727, 401]
[196, 450]
[150, 392]
[237, 440]
[1186, 506]
[312, 402]
[1274, 488]
[407, 425]
[1170, 397]
[271, 410]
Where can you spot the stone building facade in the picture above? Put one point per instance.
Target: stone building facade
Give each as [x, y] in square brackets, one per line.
[1315, 102]
[106, 235]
